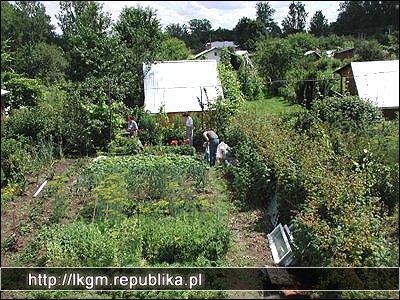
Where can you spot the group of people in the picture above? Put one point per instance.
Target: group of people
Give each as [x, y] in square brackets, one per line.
[211, 138]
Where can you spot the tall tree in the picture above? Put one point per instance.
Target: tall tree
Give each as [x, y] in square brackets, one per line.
[295, 21]
[178, 31]
[139, 33]
[265, 15]
[199, 33]
[247, 32]
[367, 17]
[319, 24]
[25, 23]
[84, 26]
[173, 49]
[222, 34]
[140, 30]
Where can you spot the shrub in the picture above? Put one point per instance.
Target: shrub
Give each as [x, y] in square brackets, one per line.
[34, 123]
[179, 149]
[335, 205]
[124, 146]
[184, 238]
[250, 83]
[347, 113]
[169, 133]
[23, 91]
[15, 160]
[79, 244]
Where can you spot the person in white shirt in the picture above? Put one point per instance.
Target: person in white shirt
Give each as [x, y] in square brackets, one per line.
[189, 128]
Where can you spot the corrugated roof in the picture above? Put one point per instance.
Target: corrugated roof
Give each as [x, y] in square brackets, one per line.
[378, 81]
[175, 85]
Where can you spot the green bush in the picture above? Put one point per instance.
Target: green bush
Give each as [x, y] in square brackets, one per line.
[170, 133]
[15, 160]
[79, 244]
[184, 238]
[34, 123]
[250, 83]
[335, 200]
[23, 91]
[347, 113]
[178, 149]
[249, 177]
[123, 146]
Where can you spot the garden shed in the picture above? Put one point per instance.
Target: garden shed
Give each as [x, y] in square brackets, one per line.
[3, 107]
[180, 86]
[377, 81]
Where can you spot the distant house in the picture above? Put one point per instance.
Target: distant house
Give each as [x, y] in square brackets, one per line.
[214, 49]
[377, 81]
[180, 86]
[343, 54]
[215, 53]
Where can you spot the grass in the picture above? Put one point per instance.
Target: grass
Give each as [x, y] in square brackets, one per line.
[276, 106]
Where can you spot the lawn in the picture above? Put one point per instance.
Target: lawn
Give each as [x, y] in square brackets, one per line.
[275, 105]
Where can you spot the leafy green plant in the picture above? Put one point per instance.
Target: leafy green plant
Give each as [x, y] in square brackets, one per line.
[178, 149]
[124, 146]
[24, 91]
[184, 238]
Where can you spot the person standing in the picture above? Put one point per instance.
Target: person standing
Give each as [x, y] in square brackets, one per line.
[212, 138]
[189, 128]
[132, 127]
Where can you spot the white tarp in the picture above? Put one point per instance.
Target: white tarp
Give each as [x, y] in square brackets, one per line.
[176, 85]
[378, 81]
[4, 92]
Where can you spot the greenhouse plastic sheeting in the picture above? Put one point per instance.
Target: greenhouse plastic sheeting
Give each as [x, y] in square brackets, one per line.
[176, 86]
[378, 81]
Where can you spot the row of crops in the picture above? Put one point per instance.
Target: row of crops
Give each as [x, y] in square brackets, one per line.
[139, 210]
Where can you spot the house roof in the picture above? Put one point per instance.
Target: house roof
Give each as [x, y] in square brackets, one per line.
[223, 44]
[377, 81]
[177, 85]
[204, 52]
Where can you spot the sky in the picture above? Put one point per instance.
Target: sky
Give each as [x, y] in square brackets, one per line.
[224, 14]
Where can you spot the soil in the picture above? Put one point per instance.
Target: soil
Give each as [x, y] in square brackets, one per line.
[249, 240]
[16, 213]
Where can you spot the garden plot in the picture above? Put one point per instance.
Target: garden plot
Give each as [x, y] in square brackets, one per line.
[140, 210]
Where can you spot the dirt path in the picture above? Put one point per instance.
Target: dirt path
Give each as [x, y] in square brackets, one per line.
[250, 245]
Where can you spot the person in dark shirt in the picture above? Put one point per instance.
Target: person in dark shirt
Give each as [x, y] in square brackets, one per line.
[212, 138]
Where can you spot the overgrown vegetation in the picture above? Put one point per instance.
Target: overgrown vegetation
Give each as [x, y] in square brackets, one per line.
[330, 160]
[331, 178]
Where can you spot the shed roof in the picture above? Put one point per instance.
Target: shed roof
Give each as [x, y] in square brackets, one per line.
[4, 92]
[177, 85]
[378, 81]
